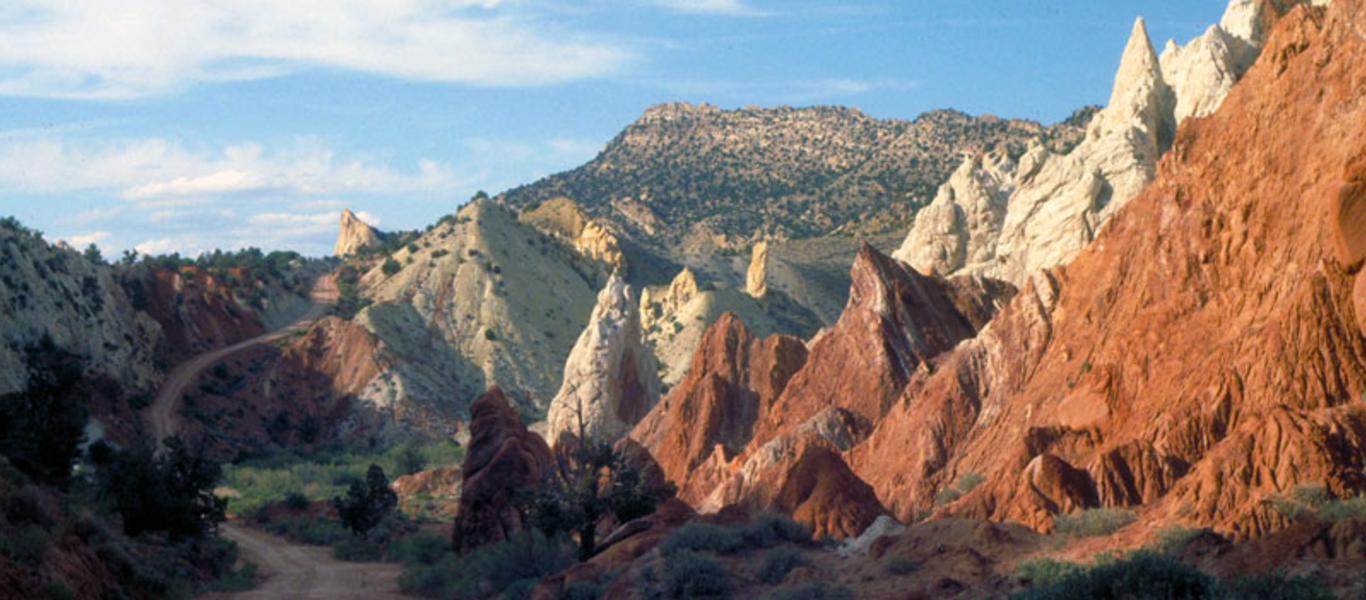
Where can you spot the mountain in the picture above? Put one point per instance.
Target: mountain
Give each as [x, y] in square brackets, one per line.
[696, 178]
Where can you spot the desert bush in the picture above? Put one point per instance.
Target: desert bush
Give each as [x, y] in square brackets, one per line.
[239, 580]
[1045, 571]
[778, 562]
[1094, 521]
[1140, 575]
[1276, 586]
[366, 503]
[420, 548]
[1343, 510]
[1172, 540]
[171, 491]
[899, 565]
[315, 531]
[966, 483]
[811, 591]
[688, 574]
[702, 537]
[357, 549]
[770, 529]
[296, 501]
[490, 570]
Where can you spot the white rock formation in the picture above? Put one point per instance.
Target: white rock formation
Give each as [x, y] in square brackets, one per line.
[355, 234]
[610, 378]
[756, 279]
[1061, 201]
[961, 226]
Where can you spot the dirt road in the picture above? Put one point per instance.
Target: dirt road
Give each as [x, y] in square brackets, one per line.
[294, 571]
[162, 413]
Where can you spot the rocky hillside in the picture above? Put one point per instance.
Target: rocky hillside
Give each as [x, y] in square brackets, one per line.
[480, 299]
[53, 291]
[698, 178]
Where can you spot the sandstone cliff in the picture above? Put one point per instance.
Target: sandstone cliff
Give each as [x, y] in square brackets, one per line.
[355, 235]
[566, 221]
[610, 378]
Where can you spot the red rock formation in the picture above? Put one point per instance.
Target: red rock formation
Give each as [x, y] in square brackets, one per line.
[708, 418]
[895, 322]
[1204, 354]
[196, 311]
[502, 458]
[820, 490]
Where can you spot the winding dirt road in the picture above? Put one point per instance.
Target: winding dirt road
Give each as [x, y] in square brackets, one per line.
[162, 413]
[293, 571]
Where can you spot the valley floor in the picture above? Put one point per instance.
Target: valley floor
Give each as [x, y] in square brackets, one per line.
[297, 571]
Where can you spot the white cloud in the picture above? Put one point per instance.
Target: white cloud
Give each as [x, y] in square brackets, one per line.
[711, 7]
[159, 173]
[98, 49]
[86, 239]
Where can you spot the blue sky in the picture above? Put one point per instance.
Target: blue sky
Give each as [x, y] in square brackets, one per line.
[184, 125]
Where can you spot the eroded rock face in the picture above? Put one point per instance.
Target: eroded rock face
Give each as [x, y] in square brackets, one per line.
[708, 418]
[961, 226]
[565, 220]
[610, 377]
[1058, 203]
[756, 278]
[895, 322]
[503, 457]
[1223, 368]
[355, 235]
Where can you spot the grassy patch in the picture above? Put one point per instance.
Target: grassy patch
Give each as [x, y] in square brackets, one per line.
[315, 531]
[322, 474]
[778, 562]
[1094, 521]
[489, 571]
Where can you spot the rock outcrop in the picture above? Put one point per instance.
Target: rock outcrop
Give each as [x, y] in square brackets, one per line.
[1222, 369]
[502, 458]
[566, 221]
[610, 377]
[708, 418]
[756, 278]
[355, 235]
[961, 226]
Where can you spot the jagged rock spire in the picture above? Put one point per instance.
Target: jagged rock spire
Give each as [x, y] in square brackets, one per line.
[355, 234]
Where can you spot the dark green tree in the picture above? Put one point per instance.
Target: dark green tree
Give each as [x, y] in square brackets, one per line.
[591, 482]
[171, 491]
[366, 502]
[410, 460]
[41, 428]
[92, 254]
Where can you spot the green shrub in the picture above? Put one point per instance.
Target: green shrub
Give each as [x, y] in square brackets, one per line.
[366, 504]
[1094, 521]
[811, 591]
[357, 549]
[391, 266]
[296, 501]
[520, 589]
[582, 590]
[1172, 540]
[421, 548]
[1140, 575]
[1343, 510]
[900, 565]
[770, 529]
[1045, 571]
[778, 562]
[315, 531]
[704, 537]
[489, 570]
[1276, 586]
[966, 483]
[688, 574]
